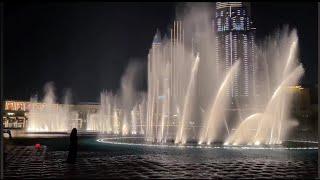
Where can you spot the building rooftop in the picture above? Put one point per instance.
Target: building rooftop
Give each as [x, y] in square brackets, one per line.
[220, 5]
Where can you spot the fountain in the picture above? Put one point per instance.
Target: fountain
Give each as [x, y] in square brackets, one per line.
[181, 136]
[188, 93]
[48, 116]
[267, 123]
[216, 112]
[102, 121]
[118, 112]
[271, 126]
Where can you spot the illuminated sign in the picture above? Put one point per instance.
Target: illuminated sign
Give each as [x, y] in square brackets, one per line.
[10, 106]
[28, 106]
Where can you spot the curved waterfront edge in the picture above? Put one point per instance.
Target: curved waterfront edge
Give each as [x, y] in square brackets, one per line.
[113, 140]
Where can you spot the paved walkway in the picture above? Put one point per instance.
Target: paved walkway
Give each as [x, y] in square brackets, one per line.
[26, 163]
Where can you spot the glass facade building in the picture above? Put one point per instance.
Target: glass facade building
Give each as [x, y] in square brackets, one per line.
[235, 42]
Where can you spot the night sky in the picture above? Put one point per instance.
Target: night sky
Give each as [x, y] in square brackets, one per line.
[87, 46]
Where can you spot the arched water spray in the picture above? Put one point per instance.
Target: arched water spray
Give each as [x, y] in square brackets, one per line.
[215, 116]
[181, 136]
[269, 126]
[246, 131]
[266, 126]
[266, 133]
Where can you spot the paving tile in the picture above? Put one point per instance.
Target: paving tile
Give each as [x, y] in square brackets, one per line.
[51, 164]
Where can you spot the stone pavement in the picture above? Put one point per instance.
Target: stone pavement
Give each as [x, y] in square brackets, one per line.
[26, 163]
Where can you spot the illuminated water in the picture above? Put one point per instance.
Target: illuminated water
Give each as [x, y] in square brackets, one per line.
[186, 100]
[48, 116]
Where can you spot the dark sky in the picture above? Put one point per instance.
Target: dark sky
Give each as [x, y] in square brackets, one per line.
[87, 46]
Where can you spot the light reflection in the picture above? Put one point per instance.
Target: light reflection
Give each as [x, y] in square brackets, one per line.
[112, 141]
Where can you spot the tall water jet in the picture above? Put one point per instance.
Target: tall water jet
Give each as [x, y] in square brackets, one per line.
[173, 85]
[109, 101]
[129, 96]
[134, 120]
[65, 112]
[142, 114]
[93, 123]
[181, 136]
[102, 120]
[48, 116]
[215, 116]
[141, 118]
[165, 106]
[116, 123]
[124, 125]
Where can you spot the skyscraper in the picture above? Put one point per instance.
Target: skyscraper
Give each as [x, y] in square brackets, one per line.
[235, 42]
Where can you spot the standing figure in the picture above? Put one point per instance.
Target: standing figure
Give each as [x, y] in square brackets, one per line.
[73, 147]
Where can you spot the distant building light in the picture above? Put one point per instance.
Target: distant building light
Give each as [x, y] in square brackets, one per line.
[296, 87]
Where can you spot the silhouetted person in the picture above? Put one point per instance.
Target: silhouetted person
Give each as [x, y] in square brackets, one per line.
[73, 147]
[9, 132]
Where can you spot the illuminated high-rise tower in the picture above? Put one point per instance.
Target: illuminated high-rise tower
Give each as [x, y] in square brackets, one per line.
[235, 42]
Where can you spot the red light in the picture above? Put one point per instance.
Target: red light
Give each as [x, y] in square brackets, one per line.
[37, 146]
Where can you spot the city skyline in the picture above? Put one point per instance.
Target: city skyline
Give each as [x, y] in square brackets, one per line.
[86, 87]
[236, 42]
[199, 90]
